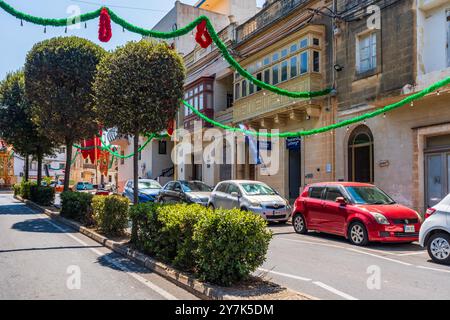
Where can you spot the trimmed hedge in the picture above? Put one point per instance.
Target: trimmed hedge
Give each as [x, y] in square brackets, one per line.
[221, 247]
[77, 206]
[23, 189]
[44, 196]
[231, 244]
[110, 213]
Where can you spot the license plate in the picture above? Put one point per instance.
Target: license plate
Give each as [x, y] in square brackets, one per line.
[410, 229]
[275, 213]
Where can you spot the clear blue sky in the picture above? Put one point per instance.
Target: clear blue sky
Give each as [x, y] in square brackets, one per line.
[16, 41]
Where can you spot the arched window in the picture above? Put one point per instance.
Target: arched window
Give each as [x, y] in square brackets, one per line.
[360, 155]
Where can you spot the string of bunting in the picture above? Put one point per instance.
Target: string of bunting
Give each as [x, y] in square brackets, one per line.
[205, 36]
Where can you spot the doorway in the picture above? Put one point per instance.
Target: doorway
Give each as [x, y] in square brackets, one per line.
[294, 174]
[361, 155]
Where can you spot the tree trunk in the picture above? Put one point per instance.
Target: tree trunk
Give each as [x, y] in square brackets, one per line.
[39, 166]
[68, 163]
[134, 233]
[136, 168]
[27, 167]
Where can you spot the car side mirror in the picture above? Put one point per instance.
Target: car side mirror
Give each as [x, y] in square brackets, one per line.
[235, 194]
[341, 201]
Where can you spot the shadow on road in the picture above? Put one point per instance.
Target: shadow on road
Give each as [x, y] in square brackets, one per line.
[120, 263]
[15, 209]
[49, 248]
[38, 225]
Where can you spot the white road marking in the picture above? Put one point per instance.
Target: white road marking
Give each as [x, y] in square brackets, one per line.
[334, 290]
[434, 269]
[136, 276]
[285, 274]
[411, 253]
[379, 257]
[314, 242]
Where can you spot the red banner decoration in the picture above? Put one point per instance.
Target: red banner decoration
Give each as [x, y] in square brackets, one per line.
[170, 127]
[94, 150]
[104, 30]
[104, 162]
[202, 36]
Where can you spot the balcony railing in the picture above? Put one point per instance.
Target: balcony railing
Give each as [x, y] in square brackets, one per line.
[266, 16]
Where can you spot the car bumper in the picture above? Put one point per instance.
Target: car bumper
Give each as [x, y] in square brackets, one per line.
[271, 214]
[392, 233]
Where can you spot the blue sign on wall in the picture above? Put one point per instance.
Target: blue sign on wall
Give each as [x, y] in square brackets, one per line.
[293, 143]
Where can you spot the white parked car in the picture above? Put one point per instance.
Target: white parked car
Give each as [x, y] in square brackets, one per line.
[252, 196]
[435, 232]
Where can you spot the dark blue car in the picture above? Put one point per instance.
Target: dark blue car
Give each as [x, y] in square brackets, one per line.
[148, 190]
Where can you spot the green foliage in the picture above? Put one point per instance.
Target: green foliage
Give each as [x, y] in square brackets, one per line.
[16, 125]
[138, 87]
[77, 206]
[230, 245]
[24, 189]
[222, 246]
[16, 189]
[111, 213]
[43, 196]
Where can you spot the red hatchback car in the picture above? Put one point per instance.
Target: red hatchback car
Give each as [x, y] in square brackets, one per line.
[358, 211]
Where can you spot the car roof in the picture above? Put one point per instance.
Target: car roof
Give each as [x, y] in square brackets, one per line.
[242, 181]
[343, 183]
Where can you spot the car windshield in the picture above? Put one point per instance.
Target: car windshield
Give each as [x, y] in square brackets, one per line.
[195, 186]
[149, 185]
[257, 189]
[368, 195]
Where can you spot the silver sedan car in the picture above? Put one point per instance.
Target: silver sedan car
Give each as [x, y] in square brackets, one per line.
[253, 196]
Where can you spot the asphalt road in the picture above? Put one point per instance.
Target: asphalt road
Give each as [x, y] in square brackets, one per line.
[328, 267]
[41, 259]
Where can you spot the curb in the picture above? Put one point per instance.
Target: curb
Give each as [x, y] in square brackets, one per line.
[191, 284]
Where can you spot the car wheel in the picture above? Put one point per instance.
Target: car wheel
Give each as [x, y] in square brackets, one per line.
[299, 224]
[357, 234]
[439, 248]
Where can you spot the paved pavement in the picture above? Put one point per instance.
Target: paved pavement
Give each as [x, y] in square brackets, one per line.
[42, 259]
[328, 267]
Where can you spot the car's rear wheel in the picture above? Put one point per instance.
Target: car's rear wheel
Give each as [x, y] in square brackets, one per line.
[299, 223]
[357, 234]
[439, 248]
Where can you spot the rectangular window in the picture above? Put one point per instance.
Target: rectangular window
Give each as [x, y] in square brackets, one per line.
[304, 62]
[267, 76]
[294, 67]
[266, 61]
[237, 91]
[284, 53]
[448, 38]
[244, 88]
[367, 52]
[196, 102]
[316, 61]
[284, 71]
[316, 192]
[251, 88]
[316, 42]
[259, 77]
[162, 147]
[303, 43]
[200, 102]
[275, 57]
[293, 48]
[275, 74]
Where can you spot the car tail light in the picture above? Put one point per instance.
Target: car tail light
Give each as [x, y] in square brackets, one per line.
[429, 212]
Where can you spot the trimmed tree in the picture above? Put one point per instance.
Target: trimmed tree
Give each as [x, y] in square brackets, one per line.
[58, 79]
[138, 89]
[16, 125]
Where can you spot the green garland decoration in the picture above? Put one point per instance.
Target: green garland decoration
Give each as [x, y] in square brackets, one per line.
[165, 35]
[341, 124]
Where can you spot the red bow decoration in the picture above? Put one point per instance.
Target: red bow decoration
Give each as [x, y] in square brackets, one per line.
[170, 127]
[104, 29]
[202, 36]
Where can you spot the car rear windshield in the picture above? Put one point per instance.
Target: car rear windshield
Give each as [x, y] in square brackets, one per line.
[256, 189]
[368, 195]
[149, 185]
[195, 186]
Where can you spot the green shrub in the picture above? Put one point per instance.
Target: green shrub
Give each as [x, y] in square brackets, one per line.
[146, 227]
[77, 206]
[16, 189]
[25, 189]
[231, 244]
[111, 213]
[42, 195]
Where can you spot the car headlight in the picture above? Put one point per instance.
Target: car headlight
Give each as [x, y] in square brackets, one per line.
[381, 219]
